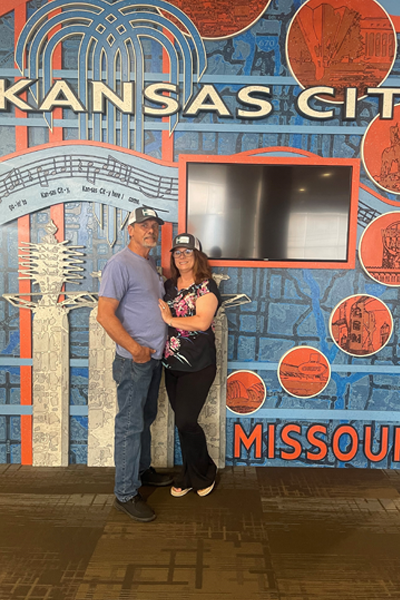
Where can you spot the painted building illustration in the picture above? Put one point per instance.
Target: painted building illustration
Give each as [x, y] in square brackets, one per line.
[360, 325]
[336, 44]
[379, 249]
[303, 372]
[245, 392]
[269, 129]
[355, 334]
[391, 246]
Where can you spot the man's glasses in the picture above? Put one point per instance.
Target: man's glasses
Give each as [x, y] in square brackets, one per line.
[186, 252]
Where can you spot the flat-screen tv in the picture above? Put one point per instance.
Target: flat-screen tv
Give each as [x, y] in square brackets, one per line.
[281, 210]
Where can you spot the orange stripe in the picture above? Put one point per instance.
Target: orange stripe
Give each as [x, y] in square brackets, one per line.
[25, 316]
[56, 135]
[166, 245]
[21, 132]
[26, 438]
[25, 288]
[25, 325]
[9, 5]
[57, 216]
[167, 141]
[182, 170]
[167, 149]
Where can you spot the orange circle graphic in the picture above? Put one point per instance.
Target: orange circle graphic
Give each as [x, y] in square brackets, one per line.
[379, 249]
[245, 392]
[342, 45]
[361, 325]
[304, 372]
[216, 19]
[381, 151]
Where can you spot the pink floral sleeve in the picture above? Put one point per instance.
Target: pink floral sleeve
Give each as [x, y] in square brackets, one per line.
[203, 289]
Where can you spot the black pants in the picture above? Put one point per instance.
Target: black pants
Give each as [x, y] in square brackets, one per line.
[187, 393]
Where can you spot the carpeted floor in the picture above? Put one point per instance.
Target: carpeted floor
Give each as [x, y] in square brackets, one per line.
[263, 534]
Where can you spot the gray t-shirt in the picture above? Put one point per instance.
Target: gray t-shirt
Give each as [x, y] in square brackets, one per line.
[135, 283]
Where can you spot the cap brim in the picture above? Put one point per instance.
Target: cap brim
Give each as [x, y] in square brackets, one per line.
[159, 221]
[182, 246]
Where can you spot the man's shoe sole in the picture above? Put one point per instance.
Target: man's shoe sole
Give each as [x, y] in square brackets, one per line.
[140, 519]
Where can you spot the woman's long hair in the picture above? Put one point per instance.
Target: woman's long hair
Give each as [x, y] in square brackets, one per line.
[201, 267]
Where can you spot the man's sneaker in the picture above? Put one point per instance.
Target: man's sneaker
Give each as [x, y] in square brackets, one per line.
[136, 508]
[151, 477]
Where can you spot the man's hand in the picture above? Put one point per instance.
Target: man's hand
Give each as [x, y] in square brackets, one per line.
[143, 354]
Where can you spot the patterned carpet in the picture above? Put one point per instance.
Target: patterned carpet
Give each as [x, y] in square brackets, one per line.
[263, 534]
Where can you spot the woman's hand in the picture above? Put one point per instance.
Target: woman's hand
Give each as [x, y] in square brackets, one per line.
[165, 311]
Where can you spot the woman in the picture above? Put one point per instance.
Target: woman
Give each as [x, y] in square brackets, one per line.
[191, 301]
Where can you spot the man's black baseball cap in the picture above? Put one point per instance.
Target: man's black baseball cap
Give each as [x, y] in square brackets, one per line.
[141, 214]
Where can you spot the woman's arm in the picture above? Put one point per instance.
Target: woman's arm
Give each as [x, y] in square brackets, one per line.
[205, 310]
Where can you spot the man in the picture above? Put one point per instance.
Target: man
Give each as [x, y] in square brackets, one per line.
[128, 310]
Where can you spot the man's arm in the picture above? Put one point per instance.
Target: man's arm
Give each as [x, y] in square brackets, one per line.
[107, 318]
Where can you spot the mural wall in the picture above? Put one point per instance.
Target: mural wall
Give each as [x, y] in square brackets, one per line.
[98, 102]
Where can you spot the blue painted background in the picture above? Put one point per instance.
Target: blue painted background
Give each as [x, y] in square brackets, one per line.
[289, 307]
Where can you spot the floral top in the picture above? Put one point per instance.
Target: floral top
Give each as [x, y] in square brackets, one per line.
[189, 350]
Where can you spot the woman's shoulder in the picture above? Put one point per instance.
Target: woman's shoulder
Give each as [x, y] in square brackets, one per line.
[208, 286]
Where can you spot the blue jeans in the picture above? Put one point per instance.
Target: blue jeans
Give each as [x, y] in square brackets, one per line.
[137, 394]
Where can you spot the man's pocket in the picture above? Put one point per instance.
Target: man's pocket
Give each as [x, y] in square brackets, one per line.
[142, 370]
[118, 367]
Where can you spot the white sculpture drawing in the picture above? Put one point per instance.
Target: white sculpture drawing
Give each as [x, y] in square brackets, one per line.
[51, 264]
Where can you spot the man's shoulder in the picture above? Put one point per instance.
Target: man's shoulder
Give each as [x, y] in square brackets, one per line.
[121, 272]
[124, 257]
[120, 256]
[130, 266]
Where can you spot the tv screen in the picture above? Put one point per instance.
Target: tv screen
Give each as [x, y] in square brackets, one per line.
[270, 212]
